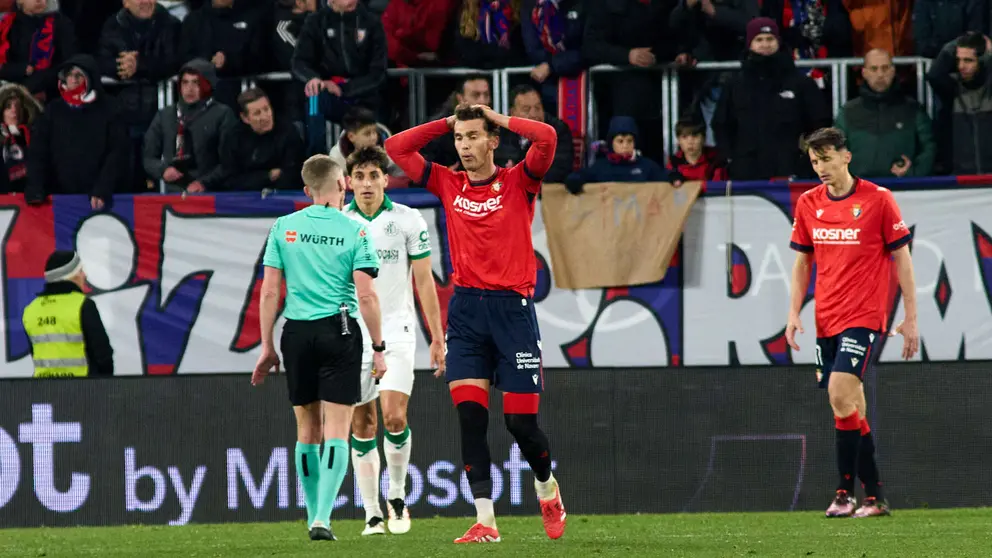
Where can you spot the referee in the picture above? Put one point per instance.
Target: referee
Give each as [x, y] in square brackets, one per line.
[326, 257]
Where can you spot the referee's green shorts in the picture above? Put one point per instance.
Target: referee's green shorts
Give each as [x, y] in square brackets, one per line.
[322, 364]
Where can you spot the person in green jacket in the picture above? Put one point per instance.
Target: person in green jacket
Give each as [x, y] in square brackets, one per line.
[889, 133]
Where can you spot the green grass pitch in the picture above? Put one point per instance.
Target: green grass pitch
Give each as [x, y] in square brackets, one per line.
[907, 534]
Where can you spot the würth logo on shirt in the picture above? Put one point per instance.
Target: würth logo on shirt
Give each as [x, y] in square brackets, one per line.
[836, 236]
[290, 236]
[477, 209]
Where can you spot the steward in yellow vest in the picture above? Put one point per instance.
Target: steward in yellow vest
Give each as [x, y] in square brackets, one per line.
[64, 326]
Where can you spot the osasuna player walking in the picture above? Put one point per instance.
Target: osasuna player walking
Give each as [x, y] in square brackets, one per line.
[404, 248]
[326, 259]
[492, 337]
[853, 230]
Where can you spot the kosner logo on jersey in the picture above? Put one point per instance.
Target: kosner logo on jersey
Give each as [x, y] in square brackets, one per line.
[177, 282]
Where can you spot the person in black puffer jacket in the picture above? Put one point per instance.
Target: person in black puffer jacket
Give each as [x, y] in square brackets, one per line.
[765, 109]
[78, 145]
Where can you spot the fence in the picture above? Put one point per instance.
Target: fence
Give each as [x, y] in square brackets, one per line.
[669, 86]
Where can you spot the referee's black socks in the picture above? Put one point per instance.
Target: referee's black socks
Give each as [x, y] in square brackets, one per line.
[867, 468]
[472, 403]
[848, 442]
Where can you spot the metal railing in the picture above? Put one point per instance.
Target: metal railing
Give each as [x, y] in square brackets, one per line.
[669, 87]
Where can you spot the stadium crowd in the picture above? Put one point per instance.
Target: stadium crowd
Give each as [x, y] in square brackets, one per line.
[82, 114]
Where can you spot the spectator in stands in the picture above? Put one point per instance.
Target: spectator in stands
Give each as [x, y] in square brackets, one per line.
[33, 44]
[341, 57]
[78, 145]
[888, 133]
[20, 110]
[936, 22]
[289, 18]
[415, 30]
[711, 30]
[818, 29]
[262, 153]
[361, 129]
[140, 43]
[627, 32]
[489, 35]
[552, 32]
[961, 77]
[232, 35]
[693, 160]
[526, 103]
[765, 109]
[184, 142]
[886, 25]
[622, 161]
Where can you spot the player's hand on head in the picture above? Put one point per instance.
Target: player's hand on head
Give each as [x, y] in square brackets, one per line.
[266, 362]
[910, 338]
[378, 365]
[792, 326]
[437, 358]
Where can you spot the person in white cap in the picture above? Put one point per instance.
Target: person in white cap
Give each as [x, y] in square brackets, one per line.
[64, 326]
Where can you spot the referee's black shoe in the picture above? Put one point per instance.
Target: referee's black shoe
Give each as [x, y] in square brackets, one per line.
[321, 532]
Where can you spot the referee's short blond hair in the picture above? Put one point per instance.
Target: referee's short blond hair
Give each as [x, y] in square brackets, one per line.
[319, 171]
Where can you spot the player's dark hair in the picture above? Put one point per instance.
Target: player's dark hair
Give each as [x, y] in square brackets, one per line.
[468, 113]
[822, 139]
[372, 155]
[357, 118]
[519, 90]
[689, 127]
[472, 77]
[249, 96]
[973, 40]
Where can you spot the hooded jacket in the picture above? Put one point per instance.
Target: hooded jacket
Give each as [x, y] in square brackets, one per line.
[208, 124]
[239, 32]
[17, 139]
[17, 32]
[349, 46]
[881, 128]
[156, 41]
[761, 115]
[613, 168]
[971, 110]
[77, 149]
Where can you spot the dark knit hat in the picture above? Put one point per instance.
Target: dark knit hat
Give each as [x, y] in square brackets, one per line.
[62, 265]
[758, 26]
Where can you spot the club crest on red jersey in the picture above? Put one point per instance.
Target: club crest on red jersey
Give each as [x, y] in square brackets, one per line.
[856, 211]
[496, 186]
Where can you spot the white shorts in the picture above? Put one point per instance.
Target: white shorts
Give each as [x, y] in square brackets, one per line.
[399, 371]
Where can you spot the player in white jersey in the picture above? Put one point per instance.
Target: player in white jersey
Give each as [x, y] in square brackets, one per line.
[404, 248]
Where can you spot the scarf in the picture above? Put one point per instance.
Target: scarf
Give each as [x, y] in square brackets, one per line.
[494, 22]
[42, 41]
[809, 18]
[550, 25]
[618, 158]
[185, 115]
[77, 96]
[15, 142]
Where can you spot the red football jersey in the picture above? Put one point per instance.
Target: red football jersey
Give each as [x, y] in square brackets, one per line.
[489, 227]
[851, 239]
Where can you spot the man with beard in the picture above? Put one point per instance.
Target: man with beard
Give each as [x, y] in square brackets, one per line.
[184, 142]
[77, 144]
[765, 109]
[888, 133]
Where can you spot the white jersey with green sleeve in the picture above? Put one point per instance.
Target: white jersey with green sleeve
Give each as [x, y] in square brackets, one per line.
[318, 249]
[400, 236]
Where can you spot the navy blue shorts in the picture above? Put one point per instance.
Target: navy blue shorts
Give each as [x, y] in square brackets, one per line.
[493, 335]
[852, 351]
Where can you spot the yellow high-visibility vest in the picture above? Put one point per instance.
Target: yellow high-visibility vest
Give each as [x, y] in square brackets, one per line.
[54, 325]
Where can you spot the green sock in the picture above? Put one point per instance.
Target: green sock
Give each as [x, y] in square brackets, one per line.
[308, 471]
[334, 466]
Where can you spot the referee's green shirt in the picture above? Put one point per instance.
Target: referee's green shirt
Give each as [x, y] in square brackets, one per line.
[318, 249]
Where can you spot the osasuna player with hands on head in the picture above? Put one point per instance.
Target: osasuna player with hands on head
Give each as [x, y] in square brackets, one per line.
[492, 336]
[404, 248]
[853, 231]
[329, 262]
